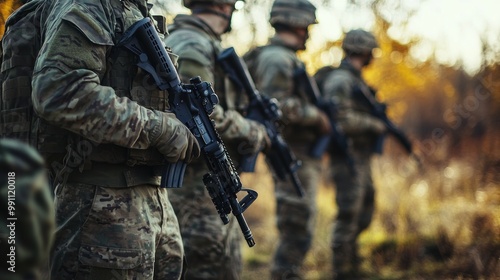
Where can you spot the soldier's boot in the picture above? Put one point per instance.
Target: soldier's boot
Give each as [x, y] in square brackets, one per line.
[342, 262]
[357, 264]
[286, 274]
[356, 259]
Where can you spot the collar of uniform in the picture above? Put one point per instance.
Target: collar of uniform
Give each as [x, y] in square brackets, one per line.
[346, 65]
[190, 21]
[277, 41]
[143, 6]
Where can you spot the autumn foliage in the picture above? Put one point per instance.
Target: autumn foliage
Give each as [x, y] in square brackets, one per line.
[6, 8]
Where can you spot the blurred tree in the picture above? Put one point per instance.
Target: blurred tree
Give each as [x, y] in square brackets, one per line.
[6, 8]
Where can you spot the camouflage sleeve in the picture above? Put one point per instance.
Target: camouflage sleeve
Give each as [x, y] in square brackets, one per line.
[67, 90]
[274, 74]
[352, 118]
[232, 126]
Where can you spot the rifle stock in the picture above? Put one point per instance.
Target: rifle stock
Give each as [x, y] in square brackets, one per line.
[192, 104]
[265, 111]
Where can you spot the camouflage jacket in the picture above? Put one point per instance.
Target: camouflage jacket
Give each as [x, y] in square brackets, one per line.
[353, 115]
[198, 46]
[273, 73]
[77, 87]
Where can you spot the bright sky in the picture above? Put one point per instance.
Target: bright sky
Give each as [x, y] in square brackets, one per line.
[450, 30]
[453, 30]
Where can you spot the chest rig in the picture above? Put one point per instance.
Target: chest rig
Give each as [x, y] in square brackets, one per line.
[230, 97]
[129, 81]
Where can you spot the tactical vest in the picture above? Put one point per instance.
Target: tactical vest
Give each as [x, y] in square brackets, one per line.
[60, 146]
[322, 74]
[251, 59]
[361, 142]
[229, 97]
[298, 136]
[129, 81]
[20, 45]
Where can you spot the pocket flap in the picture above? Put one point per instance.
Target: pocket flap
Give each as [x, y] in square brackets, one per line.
[114, 258]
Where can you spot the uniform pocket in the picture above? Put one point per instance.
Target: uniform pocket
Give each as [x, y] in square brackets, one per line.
[111, 258]
[108, 263]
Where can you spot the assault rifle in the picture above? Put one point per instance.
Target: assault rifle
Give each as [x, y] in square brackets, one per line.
[337, 135]
[192, 104]
[367, 96]
[265, 111]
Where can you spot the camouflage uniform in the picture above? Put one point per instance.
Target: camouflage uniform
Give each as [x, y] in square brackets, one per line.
[273, 71]
[23, 181]
[114, 222]
[354, 191]
[212, 249]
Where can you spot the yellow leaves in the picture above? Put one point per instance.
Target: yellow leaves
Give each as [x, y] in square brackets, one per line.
[6, 8]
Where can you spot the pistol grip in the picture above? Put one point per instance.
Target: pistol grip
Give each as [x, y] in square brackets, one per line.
[248, 163]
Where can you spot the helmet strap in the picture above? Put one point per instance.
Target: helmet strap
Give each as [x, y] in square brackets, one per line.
[367, 59]
[206, 10]
[293, 31]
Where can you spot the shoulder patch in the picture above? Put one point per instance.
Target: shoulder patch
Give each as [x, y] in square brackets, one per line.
[83, 20]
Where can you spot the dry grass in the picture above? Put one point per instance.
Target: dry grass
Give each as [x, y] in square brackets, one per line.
[442, 222]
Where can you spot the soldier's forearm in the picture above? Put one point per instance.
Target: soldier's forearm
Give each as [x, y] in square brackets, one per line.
[354, 123]
[77, 102]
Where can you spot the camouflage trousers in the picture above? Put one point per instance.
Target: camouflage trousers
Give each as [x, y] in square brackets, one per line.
[212, 249]
[355, 197]
[295, 219]
[115, 233]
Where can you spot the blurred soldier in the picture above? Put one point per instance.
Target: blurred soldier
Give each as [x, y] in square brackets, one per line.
[212, 249]
[28, 224]
[354, 190]
[272, 67]
[108, 130]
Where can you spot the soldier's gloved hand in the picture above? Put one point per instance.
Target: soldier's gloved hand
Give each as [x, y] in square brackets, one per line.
[291, 110]
[324, 125]
[258, 136]
[174, 140]
[378, 126]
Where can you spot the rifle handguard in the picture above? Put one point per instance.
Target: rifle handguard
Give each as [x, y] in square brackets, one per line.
[192, 104]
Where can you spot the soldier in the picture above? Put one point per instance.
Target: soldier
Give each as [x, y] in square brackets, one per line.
[354, 190]
[272, 68]
[98, 109]
[212, 249]
[28, 220]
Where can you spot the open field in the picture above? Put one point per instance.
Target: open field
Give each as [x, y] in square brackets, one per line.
[442, 222]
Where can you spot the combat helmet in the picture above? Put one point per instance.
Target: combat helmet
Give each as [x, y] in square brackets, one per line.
[190, 3]
[359, 41]
[296, 13]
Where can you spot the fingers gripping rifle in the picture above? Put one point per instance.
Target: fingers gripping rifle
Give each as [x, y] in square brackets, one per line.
[265, 111]
[192, 105]
[378, 110]
[337, 135]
